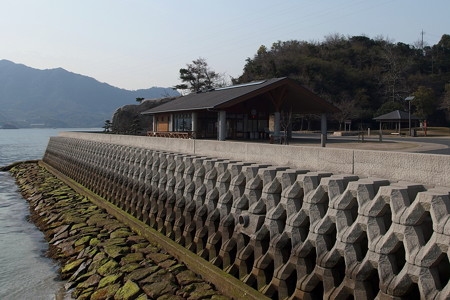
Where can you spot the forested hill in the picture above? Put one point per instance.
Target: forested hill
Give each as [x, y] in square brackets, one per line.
[59, 98]
[365, 77]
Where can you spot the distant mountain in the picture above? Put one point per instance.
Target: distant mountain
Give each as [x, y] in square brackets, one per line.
[59, 98]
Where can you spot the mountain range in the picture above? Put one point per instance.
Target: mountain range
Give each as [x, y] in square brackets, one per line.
[58, 98]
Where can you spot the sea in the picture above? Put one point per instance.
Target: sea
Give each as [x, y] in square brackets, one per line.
[25, 272]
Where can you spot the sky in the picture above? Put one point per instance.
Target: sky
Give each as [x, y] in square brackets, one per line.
[136, 44]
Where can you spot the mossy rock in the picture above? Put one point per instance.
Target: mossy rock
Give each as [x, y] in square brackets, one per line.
[199, 290]
[149, 249]
[170, 297]
[94, 242]
[89, 229]
[130, 267]
[54, 224]
[73, 281]
[82, 241]
[108, 268]
[106, 292]
[128, 291]
[142, 297]
[78, 293]
[196, 286]
[69, 219]
[115, 226]
[160, 275]
[132, 257]
[60, 229]
[198, 294]
[86, 294]
[96, 218]
[115, 241]
[188, 277]
[158, 257]
[92, 280]
[220, 297]
[136, 247]
[115, 251]
[97, 263]
[110, 224]
[103, 235]
[154, 290]
[110, 279]
[120, 234]
[79, 248]
[137, 239]
[175, 269]
[99, 256]
[138, 274]
[78, 226]
[70, 267]
[92, 252]
[168, 263]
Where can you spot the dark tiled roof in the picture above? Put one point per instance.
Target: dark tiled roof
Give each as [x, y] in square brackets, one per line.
[225, 97]
[396, 115]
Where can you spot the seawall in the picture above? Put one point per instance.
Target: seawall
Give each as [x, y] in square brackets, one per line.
[291, 222]
[100, 256]
[413, 167]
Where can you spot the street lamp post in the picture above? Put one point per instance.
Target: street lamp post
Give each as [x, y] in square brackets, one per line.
[409, 99]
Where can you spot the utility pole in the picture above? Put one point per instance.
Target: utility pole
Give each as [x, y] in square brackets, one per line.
[409, 99]
[422, 33]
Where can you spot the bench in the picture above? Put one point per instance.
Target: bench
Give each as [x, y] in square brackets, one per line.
[171, 134]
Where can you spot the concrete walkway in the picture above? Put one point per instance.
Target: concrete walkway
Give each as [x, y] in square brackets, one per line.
[370, 143]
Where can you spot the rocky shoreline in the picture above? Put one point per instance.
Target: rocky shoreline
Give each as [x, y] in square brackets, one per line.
[101, 257]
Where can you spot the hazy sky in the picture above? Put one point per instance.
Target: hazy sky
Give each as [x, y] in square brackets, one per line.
[137, 44]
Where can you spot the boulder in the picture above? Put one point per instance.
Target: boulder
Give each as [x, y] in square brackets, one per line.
[129, 120]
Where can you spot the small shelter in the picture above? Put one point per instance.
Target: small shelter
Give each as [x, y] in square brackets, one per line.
[397, 117]
[246, 111]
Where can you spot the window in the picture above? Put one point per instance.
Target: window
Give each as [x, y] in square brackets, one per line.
[182, 122]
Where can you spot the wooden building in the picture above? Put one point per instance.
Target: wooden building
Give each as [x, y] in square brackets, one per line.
[245, 111]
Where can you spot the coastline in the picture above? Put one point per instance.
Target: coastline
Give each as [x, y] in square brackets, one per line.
[101, 257]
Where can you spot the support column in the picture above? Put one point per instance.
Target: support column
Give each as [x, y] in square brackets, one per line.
[323, 127]
[381, 132]
[222, 125]
[154, 124]
[194, 124]
[276, 124]
[171, 122]
[246, 135]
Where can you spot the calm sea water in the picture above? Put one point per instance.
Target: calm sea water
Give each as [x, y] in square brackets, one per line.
[25, 273]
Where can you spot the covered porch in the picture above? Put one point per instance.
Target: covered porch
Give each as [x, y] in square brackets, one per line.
[254, 111]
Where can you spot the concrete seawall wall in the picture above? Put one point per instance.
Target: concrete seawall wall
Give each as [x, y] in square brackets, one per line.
[414, 167]
[287, 231]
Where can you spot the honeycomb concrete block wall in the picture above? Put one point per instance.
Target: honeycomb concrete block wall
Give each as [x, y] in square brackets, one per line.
[291, 233]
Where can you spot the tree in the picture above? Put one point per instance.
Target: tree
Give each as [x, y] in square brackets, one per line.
[198, 76]
[445, 104]
[139, 99]
[425, 102]
[285, 124]
[108, 125]
[396, 64]
[135, 126]
[373, 71]
[388, 107]
[348, 110]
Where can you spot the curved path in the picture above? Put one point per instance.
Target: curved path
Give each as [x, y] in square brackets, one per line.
[431, 145]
